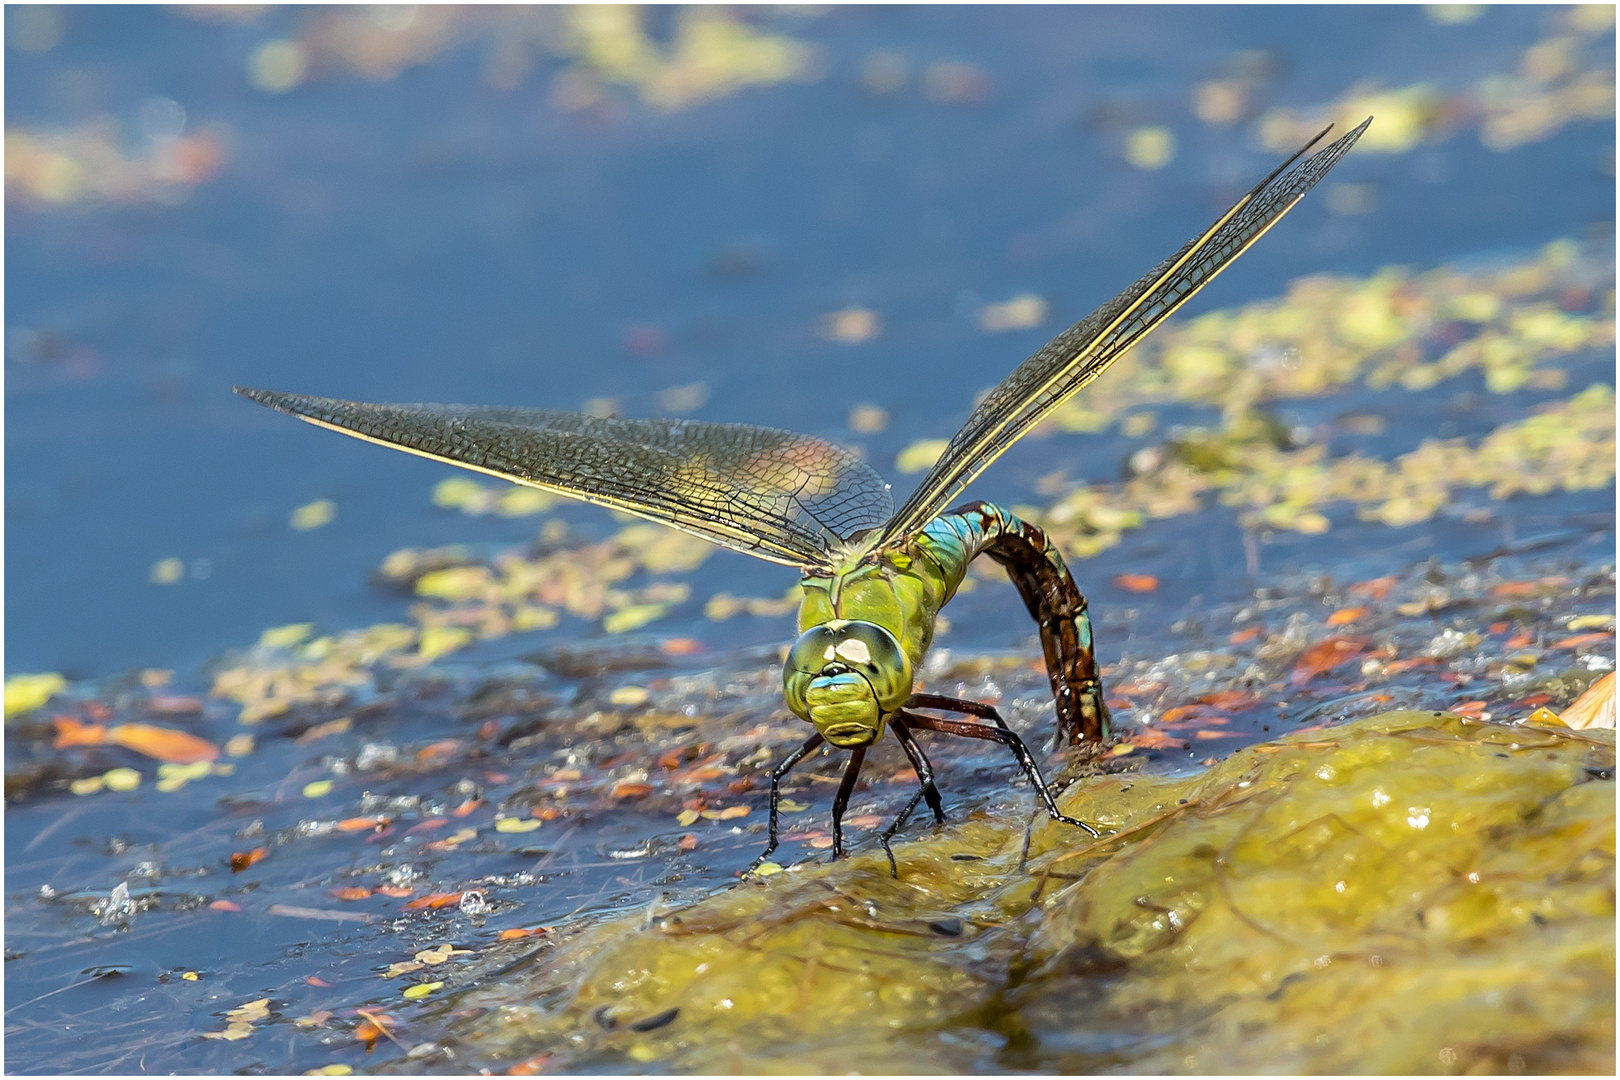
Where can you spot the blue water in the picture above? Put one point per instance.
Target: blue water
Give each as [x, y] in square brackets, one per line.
[428, 238]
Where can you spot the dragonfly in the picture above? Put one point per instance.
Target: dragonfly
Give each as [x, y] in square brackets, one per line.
[874, 579]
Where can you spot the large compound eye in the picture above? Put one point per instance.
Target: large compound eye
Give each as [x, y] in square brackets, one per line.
[860, 648]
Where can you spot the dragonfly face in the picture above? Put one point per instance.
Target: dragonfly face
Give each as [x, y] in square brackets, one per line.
[846, 677]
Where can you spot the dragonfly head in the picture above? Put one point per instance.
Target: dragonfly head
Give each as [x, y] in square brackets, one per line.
[846, 677]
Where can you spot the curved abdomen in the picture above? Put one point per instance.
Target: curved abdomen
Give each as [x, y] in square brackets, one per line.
[1036, 567]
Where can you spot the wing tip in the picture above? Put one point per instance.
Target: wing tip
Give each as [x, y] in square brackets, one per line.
[298, 405]
[263, 397]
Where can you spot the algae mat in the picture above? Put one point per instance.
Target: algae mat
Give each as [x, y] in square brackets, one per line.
[1412, 892]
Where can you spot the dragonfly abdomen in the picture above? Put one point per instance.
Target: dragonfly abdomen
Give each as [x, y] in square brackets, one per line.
[1036, 566]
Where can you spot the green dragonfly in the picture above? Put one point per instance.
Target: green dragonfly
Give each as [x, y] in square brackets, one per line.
[874, 579]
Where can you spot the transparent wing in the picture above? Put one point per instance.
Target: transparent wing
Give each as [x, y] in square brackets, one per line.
[785, 497]
[1078, 355]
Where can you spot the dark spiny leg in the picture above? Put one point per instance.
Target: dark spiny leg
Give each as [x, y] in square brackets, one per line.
[852, 772]
[926, 789]
[952, 704]
[888, 834]
[776, 795]
[1058, 607]
[919, 764]
[1007, 738]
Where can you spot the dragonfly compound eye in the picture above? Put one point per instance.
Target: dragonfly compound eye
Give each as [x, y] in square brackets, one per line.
[845, 677]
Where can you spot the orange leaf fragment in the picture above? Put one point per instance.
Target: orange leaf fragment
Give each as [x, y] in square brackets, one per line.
[164, 744]
[376, 1025]
[1595, 708]
[71, 731]
[1520, 640]
[241, 860]
[1203, 733]
[1499, 628]
[627, 789]
[1583, 639]
[680, 646]
[530, 1066]
[434, 900]
[1151, 739]
[1395, 667]
[316, 980]
[1470, 709]
[1325, 656]
[1516, 588]
[351, 892]
[1346, 615]
[428, 825]
[224, 905]
[1377, 588]
[442, 748]
[1136, 582]
[361, 824]
[1243, 637]
[467, 807]
[689, 842]
[1231, 700]
[1179, 713]
[398, 892]
[520, 932]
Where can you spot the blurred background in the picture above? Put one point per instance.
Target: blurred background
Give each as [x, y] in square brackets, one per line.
[847, 221]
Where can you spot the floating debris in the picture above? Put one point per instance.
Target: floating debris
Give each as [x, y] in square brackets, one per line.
[1561, 79]
[851, 326]
[25, 693]
[90, 164]
[313, 515]
[1022, 312]
[711, 55]
[1151, 148]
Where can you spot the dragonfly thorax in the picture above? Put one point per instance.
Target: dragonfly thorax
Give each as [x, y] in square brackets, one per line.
[846, 676]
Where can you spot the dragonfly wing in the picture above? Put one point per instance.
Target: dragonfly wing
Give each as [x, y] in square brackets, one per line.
[775, 494]
[1078, 355]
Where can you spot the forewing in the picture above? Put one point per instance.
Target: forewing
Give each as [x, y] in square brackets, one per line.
[1081, 353]
[781, 496]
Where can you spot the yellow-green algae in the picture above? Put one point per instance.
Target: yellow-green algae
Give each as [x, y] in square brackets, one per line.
[1413, 892]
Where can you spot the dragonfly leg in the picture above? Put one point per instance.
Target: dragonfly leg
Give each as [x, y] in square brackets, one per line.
[776, 793]
[852, 772]
[952, 704]
[926, 789]
[999, 733]
[920, 765]
[1059, 609]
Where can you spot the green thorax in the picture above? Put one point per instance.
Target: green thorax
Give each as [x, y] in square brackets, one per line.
[902, 588]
